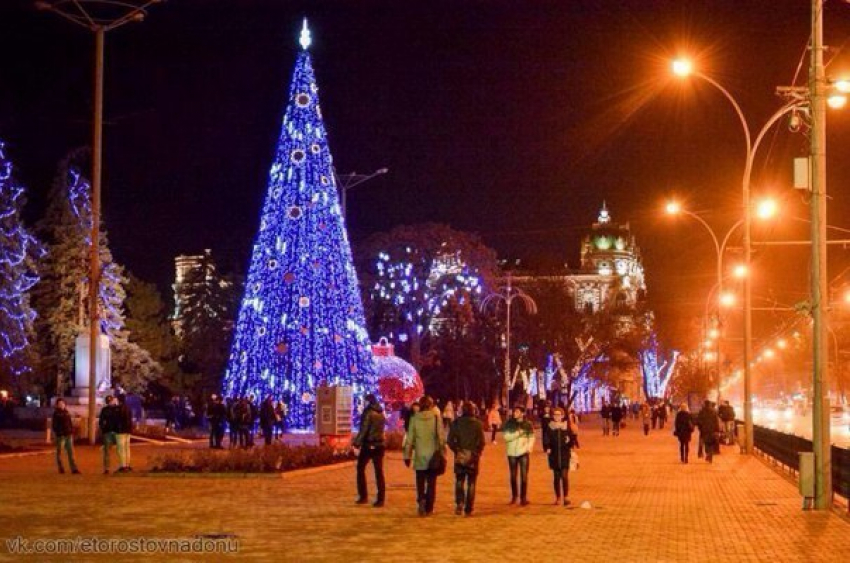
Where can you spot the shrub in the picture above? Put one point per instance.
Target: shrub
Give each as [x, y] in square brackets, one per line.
[263, 459]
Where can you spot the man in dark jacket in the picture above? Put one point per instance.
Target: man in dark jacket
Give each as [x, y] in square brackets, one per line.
[267, 419]
[466, 440]
[370, 442]
[125, 427]
[63, 436]
[709, 428]
[217, 414]
[616, 418]
[109, 426]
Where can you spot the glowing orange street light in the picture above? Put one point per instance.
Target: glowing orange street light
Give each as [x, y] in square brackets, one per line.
[781, 344]
[739, 271]
[727, 299]
[766, 208]
[682, 67]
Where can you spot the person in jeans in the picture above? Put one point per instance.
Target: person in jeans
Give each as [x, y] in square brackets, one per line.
[466, 440]
[558, 442]
[422, 441]
[519, 440]
[63, 436]
[370, 442]
[125, 427]
[109, 425]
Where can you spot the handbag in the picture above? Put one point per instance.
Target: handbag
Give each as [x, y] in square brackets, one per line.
[438, 462]
[573, 461]
[465, 458]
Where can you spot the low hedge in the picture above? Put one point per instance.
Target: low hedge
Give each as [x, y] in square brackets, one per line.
[274, 458]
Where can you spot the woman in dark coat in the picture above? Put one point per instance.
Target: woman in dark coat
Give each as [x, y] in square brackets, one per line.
[558, 441]
[683, 428]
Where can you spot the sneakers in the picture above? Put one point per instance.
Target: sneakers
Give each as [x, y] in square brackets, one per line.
[378, 504]
[361, 501]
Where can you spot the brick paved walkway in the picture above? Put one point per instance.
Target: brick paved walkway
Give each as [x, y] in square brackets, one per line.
[646, 507]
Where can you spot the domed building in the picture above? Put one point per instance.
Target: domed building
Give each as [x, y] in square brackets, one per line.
[611, 274]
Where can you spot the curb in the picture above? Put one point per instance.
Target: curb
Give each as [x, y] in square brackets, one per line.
[280, 475]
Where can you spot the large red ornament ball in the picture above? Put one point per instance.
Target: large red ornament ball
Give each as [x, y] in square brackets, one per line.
[398, 382]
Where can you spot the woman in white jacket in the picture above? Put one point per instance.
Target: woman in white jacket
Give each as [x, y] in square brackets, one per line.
[519, 441]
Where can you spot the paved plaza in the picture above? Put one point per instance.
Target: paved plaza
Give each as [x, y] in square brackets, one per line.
[646, 506]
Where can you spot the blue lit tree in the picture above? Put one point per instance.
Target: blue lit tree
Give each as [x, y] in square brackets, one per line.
[656, 370]
[301, 321]
[19, 252]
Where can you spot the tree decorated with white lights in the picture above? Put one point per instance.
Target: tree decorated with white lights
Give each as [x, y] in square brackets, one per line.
[655, 368]
[301, 320]
[413, 273]
[61, 298]
[19, 252]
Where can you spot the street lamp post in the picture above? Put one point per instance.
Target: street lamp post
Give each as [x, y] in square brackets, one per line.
[684, 68]
[348, 181]
[766, 209]
[506, 294]
[98, 16]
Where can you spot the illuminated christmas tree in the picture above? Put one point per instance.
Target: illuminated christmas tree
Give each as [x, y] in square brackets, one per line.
[301, 321]
[18, 254]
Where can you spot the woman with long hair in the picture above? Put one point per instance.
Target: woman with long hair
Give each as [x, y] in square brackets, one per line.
[422, 441]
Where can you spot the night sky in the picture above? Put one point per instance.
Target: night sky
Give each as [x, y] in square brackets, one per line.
[512, 119]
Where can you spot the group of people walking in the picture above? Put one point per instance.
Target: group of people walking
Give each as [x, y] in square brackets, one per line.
[429, 437]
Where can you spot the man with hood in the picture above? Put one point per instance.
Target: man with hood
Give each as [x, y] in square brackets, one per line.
[370, 442]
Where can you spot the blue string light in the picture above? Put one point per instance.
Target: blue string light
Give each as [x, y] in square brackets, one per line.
[301, 321]
[656, 377]
[19, 252]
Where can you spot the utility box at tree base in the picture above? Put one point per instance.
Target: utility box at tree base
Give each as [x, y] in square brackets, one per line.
[333, 415]
[807, 478]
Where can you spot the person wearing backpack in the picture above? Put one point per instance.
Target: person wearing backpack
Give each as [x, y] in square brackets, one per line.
[466, 440]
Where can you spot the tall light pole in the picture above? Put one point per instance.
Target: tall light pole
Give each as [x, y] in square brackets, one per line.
[819, 284]
[506, 294]
[348, 181]
[683, 67]
[98, 16]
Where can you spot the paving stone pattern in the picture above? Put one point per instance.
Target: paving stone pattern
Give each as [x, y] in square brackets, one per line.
[646, 506]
